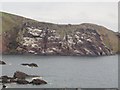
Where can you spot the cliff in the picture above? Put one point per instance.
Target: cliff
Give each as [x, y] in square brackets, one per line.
[26, 36]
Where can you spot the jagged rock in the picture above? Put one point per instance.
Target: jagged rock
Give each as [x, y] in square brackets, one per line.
[20, 75]
[38, 82]
[20, 78]
[2, 63]
[30, 65]
[48, 42]
[22, 81]
[5, 79]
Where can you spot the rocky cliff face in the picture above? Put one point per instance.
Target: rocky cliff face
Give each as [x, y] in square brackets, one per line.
[45, 41]
[32, 37]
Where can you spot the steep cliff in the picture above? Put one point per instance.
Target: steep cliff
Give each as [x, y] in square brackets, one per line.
[26, 36]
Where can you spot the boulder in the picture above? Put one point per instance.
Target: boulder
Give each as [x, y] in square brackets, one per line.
[22, 81]
[20, 78]
[2, 63]
[3, 86]
[20, 75]
[38, 82]
[5, 79]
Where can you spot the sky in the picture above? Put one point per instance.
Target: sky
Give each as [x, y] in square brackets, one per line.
[101, 13]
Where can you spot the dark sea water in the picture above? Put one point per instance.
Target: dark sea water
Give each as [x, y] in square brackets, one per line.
[66, 71]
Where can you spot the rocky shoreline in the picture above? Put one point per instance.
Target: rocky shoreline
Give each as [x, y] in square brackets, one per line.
[21, 77]
[30, 65]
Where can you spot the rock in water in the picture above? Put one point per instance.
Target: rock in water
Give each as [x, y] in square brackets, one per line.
[2, 63]
[30, 65]
[5, 79]
[3, 86]
[22, 81]
[20, 78]
[38, 82]
[33, 65]
[24, 64]
[20, 75]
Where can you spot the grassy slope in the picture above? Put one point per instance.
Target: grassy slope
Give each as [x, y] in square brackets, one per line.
[109, 37]
[9, 21]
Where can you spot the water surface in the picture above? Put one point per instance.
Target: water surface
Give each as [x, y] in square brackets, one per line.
[66, 71]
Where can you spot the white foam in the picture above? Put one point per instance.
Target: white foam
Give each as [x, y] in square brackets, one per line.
[37, 78]
[10, 64]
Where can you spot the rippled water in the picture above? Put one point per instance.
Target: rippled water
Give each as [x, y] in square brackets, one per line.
[66, 71]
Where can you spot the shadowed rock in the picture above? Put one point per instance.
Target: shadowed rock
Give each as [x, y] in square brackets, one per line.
[2, 63]
[25, 64]
[3, 86]
[33, 65]
[22, 81]
[30, 65]
[20, 75]
[5, 79]
[38, 82]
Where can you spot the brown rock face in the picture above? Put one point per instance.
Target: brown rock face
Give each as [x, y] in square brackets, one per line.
[3, 45]
[20, 75]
